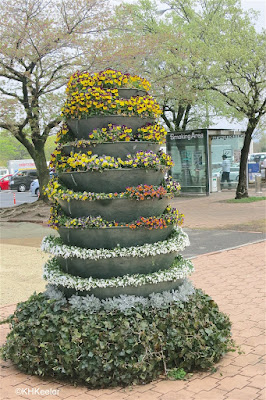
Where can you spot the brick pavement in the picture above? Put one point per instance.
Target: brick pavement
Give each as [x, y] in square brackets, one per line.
[209, 212]
[236, 281]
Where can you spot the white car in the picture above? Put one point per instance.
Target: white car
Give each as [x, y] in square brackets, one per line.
[35, 188]
[234, 172]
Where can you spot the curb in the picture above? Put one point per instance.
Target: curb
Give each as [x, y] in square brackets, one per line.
[32, 221]
[228, 249]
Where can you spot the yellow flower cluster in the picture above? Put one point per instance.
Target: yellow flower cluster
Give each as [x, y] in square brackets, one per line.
[155, 133]
[80, 81]
[109, 78]
[55, 156]
[64, 135]
[111, 134]
[54, 190]
[166, 159]
[97, 101]
[89, 162]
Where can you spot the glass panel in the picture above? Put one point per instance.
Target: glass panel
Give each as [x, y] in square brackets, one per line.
[229, 146]
[188, 150]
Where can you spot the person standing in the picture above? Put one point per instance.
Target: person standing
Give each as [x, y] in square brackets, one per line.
[226, 171]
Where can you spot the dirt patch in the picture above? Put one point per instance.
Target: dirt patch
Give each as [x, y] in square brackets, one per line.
[37, 212]
[251, 226]
[28, 242]
[21, 273]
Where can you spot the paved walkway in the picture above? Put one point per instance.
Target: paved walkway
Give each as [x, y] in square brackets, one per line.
[210, 212]
[236, 281]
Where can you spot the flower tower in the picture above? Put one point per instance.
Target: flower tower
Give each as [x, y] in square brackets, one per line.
[118, 308]
[111, 199]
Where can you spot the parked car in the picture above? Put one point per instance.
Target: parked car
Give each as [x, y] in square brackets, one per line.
[5, 182]
[21, 180]
[35, 188]
[258, 158]
[234, 172]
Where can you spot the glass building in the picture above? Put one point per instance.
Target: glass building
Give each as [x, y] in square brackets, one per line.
[197, 155]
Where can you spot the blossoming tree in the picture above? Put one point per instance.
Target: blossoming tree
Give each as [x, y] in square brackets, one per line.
[40, 43]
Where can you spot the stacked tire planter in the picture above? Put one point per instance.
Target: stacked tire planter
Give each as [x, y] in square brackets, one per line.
[121, 279]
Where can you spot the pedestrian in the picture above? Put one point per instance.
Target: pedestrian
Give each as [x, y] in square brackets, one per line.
[226, 171]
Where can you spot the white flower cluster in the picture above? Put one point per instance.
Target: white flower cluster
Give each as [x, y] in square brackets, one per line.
[180, 269]
[55, 246]
[124, 303]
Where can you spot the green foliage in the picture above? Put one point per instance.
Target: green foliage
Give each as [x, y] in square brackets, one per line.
[177, 373]
[12, 149]
[50, 146]
[113, 348]
[260, 145]
[246, 200]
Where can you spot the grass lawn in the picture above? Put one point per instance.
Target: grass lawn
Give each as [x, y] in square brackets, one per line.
[246, 199]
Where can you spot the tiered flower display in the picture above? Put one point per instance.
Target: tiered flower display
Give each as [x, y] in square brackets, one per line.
[118, 308]
[110, 191]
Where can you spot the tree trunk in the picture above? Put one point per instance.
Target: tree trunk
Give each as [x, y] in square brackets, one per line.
[185, 121]
[179, 117]
[36, 151]
[43, 173]
[179, 120]
[167, 121]
[242, 188]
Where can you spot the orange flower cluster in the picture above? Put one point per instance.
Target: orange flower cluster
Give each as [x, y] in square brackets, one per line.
[142, 192]
[149, 223]
[170, 216]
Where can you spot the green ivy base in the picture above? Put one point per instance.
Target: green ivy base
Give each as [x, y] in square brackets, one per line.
[116, 348]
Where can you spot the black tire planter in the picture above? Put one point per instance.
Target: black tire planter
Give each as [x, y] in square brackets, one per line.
[108, 238]
[116, 149]
[118, 266]
[82, 127]
[112, 180]
[122, 210]
[128, 93]
[144, 290]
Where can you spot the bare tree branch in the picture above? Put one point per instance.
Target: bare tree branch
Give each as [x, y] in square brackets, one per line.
[15, 95]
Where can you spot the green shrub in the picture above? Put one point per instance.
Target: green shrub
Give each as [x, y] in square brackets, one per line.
[177, 374]
[49, 338]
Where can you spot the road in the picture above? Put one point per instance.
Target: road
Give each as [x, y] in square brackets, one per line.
[7, 198]
[204, 241]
